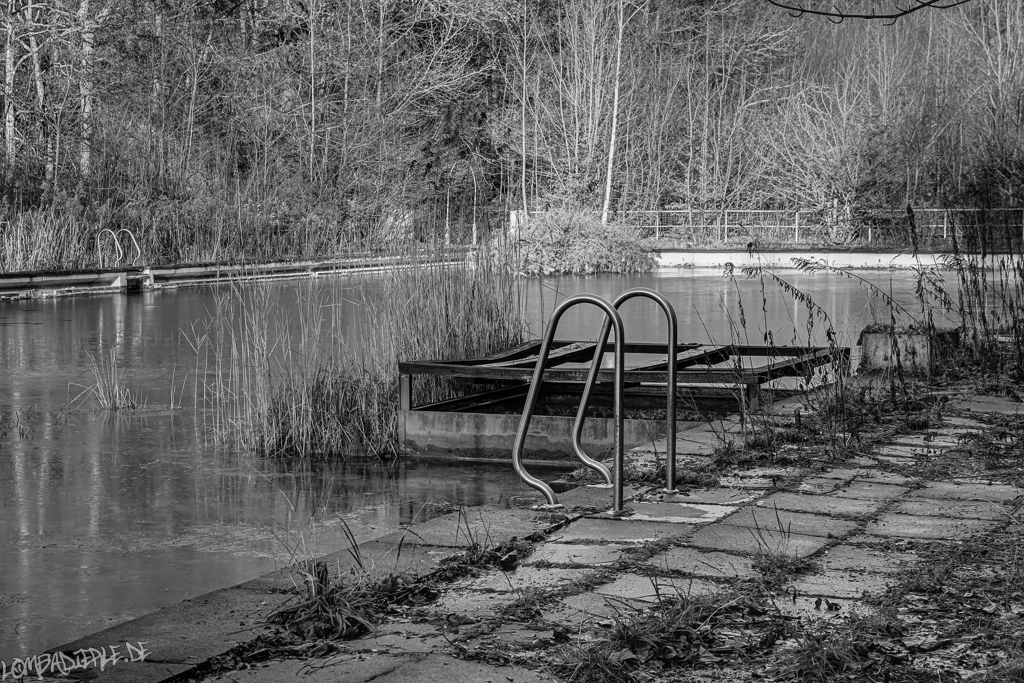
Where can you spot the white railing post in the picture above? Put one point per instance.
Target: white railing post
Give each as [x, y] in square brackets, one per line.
[796, 226]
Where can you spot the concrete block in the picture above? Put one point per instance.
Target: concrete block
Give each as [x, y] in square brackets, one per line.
[593, 497]
[480, 525]
[948, 490]
[780, 522]
[742, 540]
[194, 630]
[525, 578]
[870, 491]
[715, 496]
[705, 564]
[826, 505]
[354, 668]
[839, 584]
[921, 527]
[617, 530]
[633, 587]
[919, 352]
[990, 404]
[961, 509]
[471, 603]
[488, 436]
[379, 559]
[678, 513]
[444, 669]
[586, 555]
[851, 558]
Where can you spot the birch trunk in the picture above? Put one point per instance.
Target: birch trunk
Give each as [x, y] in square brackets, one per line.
[86, 94]
[10, 148]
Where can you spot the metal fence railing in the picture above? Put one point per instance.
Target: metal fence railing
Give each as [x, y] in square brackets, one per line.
[841, 227]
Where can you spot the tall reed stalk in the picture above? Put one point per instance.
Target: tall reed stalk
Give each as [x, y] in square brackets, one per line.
[283, 381]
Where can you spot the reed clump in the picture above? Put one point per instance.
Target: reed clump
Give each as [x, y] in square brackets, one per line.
[284, 381]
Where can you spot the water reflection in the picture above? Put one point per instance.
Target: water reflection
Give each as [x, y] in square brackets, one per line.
[106, 518]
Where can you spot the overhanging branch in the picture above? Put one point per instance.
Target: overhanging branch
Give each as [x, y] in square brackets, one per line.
[837, 14]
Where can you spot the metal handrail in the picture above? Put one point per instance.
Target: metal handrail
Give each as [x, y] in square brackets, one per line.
[670, 414]
[138, 249]
[535, 386]
[117, 243]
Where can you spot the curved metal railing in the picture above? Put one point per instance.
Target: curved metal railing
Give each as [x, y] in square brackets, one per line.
[117, 244]
[138, 249]
[99, 246]
[670, 410]
[612, 315]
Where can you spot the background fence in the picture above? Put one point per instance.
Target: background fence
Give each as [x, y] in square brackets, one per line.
[933, 229]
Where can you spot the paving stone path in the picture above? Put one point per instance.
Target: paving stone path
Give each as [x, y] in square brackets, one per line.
[857, 522]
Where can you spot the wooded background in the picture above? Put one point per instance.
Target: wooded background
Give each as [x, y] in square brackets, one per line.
[263, 127]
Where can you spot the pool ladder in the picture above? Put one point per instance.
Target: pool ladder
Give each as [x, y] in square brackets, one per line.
[612, 320]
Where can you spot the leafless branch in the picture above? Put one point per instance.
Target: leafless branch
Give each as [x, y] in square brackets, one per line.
[837, 14]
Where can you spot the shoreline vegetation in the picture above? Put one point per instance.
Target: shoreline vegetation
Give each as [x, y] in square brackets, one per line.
[282, 384]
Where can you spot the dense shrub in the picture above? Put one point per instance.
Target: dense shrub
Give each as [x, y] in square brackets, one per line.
[563, 241]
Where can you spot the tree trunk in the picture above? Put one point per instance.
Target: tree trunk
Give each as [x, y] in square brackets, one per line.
[615, 116]
[86, 93]
[46, 138]
[10, 148]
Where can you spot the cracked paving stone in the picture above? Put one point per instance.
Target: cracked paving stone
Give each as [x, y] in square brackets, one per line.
[961, 509]
[784, 521]
[524, 578]
[705, 564]
[715, 496]
[857, 559]
[738, 539]
[922, 527]
[631, 587]
[947, 490]
[587, 555]
[621, 530]
[677, 513]
[826, 505]
[838, 584]
[871, 491]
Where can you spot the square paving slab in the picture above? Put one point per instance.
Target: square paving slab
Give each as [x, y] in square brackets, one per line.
[752, 483]
[827, 505]
[742, 540]
[784, 521]
[958, 509]
[820, 485]
[651, 589]
[906, 452]
[618, 530]
[677, 513]
[851, 558]
[587, 555]
[877, 477]
[918, 526]
[990, 404]
[928, 440]
[523, 578]
[839, 584]
[706, 564]
[716, 496]
[870, 491]
[947, 490]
